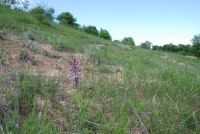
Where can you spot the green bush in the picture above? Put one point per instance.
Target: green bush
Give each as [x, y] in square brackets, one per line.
[91, 30]
[8, 3]
[105, 34]
[146, 44]
[128, 41]
[196, 45]
[43, 12]
[66, 18]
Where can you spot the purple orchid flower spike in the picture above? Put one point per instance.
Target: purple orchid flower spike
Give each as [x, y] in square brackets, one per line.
[75, 71]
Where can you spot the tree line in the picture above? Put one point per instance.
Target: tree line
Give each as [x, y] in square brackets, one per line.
[67, 19]
[189, 49]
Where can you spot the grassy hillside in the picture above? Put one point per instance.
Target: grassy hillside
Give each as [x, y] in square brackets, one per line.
[122, 90]
[46, 32]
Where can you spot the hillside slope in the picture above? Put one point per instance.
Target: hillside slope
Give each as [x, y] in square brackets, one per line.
[122, 89]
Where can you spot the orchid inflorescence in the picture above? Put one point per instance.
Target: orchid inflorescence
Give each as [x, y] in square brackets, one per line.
[75, 71]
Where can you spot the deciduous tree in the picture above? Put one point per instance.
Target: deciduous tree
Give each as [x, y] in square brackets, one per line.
[146, 44]
[42, 12]
[9, 3]
[196, 45]
[105, 34]
[128, 41]
[66, 18]
[91, 30]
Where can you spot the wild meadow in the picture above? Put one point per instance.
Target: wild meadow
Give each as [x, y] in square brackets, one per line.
[120, 91]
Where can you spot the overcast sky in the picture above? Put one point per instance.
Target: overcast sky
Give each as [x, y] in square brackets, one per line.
[159, 21]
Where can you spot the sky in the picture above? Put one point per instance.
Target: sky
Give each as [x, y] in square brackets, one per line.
[157, 21]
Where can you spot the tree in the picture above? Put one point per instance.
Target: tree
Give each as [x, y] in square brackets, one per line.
[66, 18]
[128, 41]
[184, 49]
[146, 44]
[8, 3]
[117, 41]
[24, 5]
[155, 47]
[170, 47]
[91, 30]
[19, 4]
[43, 13]
[105, 34]
[196, 45]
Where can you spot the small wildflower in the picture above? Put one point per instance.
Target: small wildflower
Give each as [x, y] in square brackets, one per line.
[75, 71]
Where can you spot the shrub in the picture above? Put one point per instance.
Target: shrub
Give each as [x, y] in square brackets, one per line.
[170, 47]
[128, 41]
[9, 3]
[196, 45]
[43, 13]
[105, 34]
[117, 41]
[25, 56]
[66, 18]
[146, 44]
[91, 30]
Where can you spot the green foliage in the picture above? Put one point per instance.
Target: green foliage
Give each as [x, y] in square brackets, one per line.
[170, 47]
[43, 13]
[66, 18]
[181, 48]
[105, 34]
[117, 41]
[17, 4]
[128, 41]
[146, 44]
[24, 5]
[91, 30]
[8, 3]
[155, 47]
[196, 45]
[185, 49]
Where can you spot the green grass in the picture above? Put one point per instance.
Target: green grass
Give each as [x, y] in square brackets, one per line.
[153, 92]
